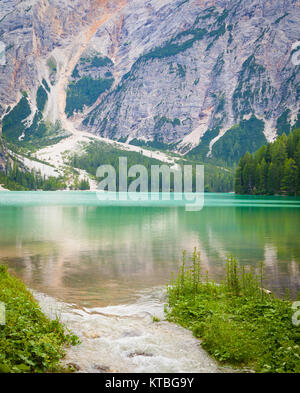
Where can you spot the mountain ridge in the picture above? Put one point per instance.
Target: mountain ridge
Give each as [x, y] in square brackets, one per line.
[182, 75]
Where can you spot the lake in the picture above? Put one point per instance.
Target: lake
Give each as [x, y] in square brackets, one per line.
[71, 246]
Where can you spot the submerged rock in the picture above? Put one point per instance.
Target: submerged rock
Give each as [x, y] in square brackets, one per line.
[133, 354]
[73, 366]
[102, 369]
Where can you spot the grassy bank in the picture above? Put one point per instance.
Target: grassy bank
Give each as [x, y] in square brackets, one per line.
[238, 322]
[29, 341]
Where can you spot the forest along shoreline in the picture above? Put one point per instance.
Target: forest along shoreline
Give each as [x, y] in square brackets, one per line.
[238, 322]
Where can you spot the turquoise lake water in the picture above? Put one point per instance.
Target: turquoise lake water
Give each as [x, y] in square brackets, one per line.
[78, 249]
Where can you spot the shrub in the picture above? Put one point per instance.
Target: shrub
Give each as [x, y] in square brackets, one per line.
[29, 341]
[238, 322]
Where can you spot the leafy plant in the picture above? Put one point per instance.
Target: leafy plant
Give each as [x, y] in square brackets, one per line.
[29, 341]
[238, 322]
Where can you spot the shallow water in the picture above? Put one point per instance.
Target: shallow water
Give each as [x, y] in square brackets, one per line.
[125, 339]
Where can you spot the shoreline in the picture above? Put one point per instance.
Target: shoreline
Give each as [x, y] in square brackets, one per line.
[131, 338]
[125, 338]
[29, 341]
[231, 340]
[239, 323]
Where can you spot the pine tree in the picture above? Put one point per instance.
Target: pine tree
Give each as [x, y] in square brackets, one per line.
[289, 181]
[273, 169]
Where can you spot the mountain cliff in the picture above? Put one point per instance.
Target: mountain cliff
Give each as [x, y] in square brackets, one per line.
[207, 78]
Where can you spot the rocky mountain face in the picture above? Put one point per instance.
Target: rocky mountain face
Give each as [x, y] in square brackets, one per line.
[2, 157]
[212, 78]
[31, 30]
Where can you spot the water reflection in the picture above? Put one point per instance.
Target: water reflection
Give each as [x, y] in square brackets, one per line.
[93, 255]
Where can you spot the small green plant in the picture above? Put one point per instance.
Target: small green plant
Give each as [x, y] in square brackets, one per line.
[238, 321]
[155, 319]
[51, 63]
[29, 341]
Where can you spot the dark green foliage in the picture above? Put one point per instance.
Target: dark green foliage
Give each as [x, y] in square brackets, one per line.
[155, 144]
[17, 179]
[101, 62]
[41, 98]
[85, 91]
[206, 14]
[86, 63]
[219, 66]
[217, 179]
[29, 341]
[249, 85]
[283, 125]
[179, 69]
[247, 136]
[172, 48]
[40, 130]
[161, 121]
[53, 184]
[218, 33]
[98, 153]
[200, 152]
[238, 322]
[84, 185]
[46, 86]
[277, 21]
[38, 134]
[297, 125]
[41, 133]
[223, 16]
[75, 73]
[97, 61]
[273, 169]
[12, 124]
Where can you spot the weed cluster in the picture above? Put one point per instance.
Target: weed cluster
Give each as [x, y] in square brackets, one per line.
[238, 321]
[29, 341]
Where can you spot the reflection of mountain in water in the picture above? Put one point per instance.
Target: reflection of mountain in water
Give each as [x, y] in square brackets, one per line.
[103, 255]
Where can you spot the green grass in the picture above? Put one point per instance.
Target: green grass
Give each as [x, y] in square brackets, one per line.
[238, 323]
[155, 319]
[29, 341]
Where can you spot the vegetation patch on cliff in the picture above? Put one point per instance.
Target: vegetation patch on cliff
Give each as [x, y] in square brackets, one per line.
[22, 134]
[13, 123]
[41, 98]
[85, 91]
[172, 47]
[246, 136]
